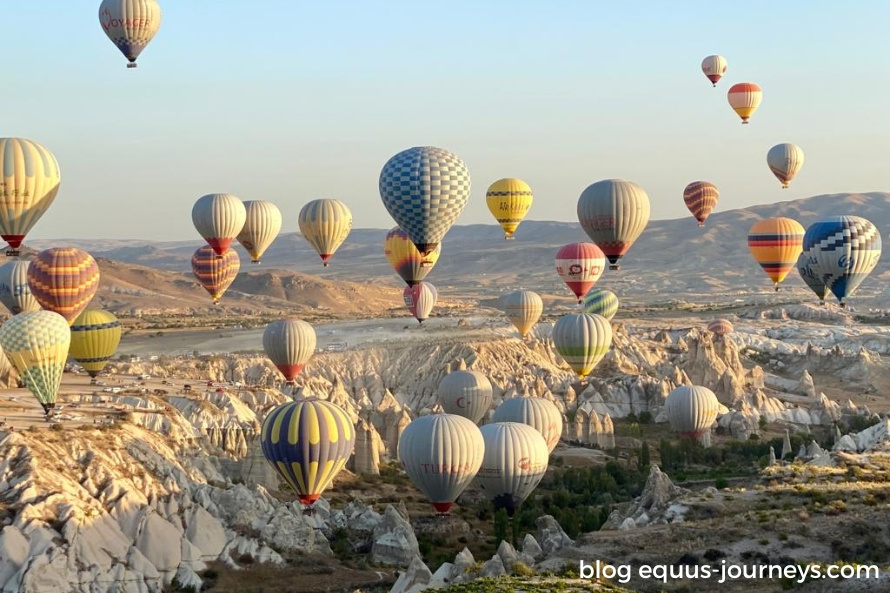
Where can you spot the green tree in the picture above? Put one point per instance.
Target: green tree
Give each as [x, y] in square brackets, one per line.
[645, 457]
[501, 520]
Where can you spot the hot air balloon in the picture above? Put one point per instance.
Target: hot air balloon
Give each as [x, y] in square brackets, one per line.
[843, 251]
[14, 290]
[515, 461]
[289, 343]
[745, 98]
[539, 413]
[219, 218]
[441, 453]
[130, 24]
[64, 280]
[30, 182]
[308, 442]
[692, 410]
[509, 201]
[215, 273]
[95, 336]
[714, 67]
[425, 189]
[262, 224]
[721, 327]
[325, 224]
[405, 259]
[582, 340]
[465, 393]
[524, 309]
[701, 198]
[776, 244]
[36, 343]
[600, 302]
[785, 161]
[420, 300]
[809, 275]
[580, 265]
[614, 214]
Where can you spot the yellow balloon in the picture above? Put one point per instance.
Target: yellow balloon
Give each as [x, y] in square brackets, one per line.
[95, 336]
[509, 200]
[776, 243]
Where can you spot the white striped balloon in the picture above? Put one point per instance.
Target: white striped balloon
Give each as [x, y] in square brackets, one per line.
[537, 412]
[15, 292]
[262, 224]
[614, 213]
[524, 309]
[28, 187]
[785, 161]
[420, 300]
[325, 224]
[466, 393]
[691, 410]
[515, 461]
[219, 218]
[289, 343]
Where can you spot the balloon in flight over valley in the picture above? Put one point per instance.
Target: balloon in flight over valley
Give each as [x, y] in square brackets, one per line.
[466, 393]
[776, 243]
[15, 293]
[701, 198]
[262, 223]
[219, 218]
[582, 340]
[692, 410]
[441, 453]
[745, 98]
[811, 278]
[289, 343]
[308, 442]
[214, 272]
[539, 413]
[523, 308]
[509, 200]
[600, 302]
[842, 251]
[580, 265]
[714, 67]
[614, 213]
[29, 185]
[325, 224]
[425, 190]
[130, 24]
[64, 280]
[420, 300]
[95, 336]
[36, 343]
[405, 259]
[515, 461]
[721, 327]
[785, 161]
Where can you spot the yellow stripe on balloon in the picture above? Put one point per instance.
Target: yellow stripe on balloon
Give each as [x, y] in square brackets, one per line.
[293, 429]
[312, 477]
[298, 473]
[313, 424]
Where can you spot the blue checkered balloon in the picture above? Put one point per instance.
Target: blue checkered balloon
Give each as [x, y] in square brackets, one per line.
[425, 189]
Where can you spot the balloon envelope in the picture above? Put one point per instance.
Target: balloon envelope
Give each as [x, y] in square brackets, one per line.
[745, 98]
[811, 277]
[36, 343]
[441, 453]
[537, 412]
[580, 265]
[289, 343]
[262, 223]
[721, 327]
[515, 461]
[582, 340]
[785, 161]
[420, 300]
[425, 189]
[614, 213]
[466, 393]
[600, 302]
[843, 250]
[405, 259]
[509, 200]
[325, 224]
[701, 198]
[219, 218]
[15, 293]
[308, 442]
[691, 410]
[714, 67]
[776, 243]
[524, 309]
[213, 272]
[29, 185]
[95, 336]
[64, 280]
[130, 24]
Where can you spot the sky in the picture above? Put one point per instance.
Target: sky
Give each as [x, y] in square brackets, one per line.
[292, 101]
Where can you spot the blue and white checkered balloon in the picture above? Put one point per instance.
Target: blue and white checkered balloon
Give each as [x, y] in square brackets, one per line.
[425, 189]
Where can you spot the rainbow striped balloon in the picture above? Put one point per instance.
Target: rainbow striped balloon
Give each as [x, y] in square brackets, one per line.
[215, 273]
[64, 280]
[308, 442]
[701, 198]
[776, 244]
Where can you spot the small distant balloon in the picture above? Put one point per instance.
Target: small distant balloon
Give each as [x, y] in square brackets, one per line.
[130, 24]
[509, 200]
[721, 327]
[420, 300]
[785, 161]
[714, 67]
[325, 224]
[701, 198]
[745, 98]
[524, 308]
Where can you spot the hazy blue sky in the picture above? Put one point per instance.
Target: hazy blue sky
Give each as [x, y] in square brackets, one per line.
[290, 101]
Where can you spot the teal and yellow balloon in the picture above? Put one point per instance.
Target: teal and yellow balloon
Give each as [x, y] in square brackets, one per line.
[95, 336]
[599, 301]
[36, 344]
[582, 340]
[308, 442]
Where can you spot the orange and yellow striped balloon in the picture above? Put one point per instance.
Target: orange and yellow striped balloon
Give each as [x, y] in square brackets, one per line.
[776, 243]
[701, 198]
[215, 273]
[405, 258]
[64, 280]
[745, 98]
